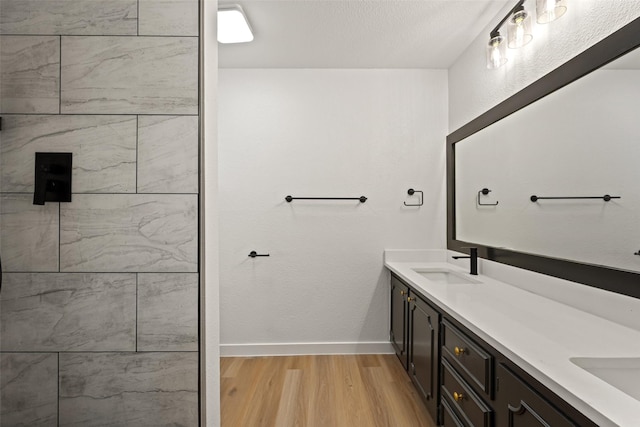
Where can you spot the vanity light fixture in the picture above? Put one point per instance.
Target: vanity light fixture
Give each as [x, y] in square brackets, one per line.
[233, 25]
[496, 51]
[550, 10]
[518, 31]
[519, 28]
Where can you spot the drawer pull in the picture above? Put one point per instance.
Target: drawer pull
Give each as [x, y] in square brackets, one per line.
[459, 351]
[457, 396]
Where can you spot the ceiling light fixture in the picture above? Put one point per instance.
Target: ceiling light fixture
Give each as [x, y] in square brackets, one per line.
[233, 26]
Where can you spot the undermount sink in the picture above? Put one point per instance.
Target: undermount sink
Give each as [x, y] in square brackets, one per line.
[621, 372]
[444, 276]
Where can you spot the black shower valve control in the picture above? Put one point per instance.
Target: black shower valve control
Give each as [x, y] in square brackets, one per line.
[53, 176]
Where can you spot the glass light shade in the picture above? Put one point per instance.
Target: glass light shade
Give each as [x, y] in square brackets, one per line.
[550, 10]
[496, 52]
[519, 29]
[233, 26]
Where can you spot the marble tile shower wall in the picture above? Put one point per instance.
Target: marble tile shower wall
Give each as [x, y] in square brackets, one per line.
[99, 303]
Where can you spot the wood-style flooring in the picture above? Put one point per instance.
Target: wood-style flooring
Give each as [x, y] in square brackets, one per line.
[319, 391]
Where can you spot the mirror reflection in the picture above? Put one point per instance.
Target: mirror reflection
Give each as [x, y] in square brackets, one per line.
[580, 141]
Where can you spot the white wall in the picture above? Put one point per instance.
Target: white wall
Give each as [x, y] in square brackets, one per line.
[473, 89]
[323, 133]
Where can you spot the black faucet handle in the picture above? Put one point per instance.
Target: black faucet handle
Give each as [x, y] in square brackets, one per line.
[473, 257]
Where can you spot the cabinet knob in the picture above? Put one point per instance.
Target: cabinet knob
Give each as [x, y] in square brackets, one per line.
[403, 293]
[409, 299]
[457, 396]
[459, 351]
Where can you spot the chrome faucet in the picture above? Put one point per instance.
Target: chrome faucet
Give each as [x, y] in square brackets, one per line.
[473, 257]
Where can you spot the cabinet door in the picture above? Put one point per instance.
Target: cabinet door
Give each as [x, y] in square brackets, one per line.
[517, 405]
[399, 313]
[423, 354]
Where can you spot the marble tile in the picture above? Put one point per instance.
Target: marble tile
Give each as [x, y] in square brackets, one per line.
[168, 154]
[130, 75]
[129, 389]
[68, 312]
[169, 17]
[28, 389]
[28, 234]
[30, 74]
[128, 233]
[103, 147]
[168, 312]
[103, 17]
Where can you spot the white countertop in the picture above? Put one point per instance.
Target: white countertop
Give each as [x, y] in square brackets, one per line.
[539, 334]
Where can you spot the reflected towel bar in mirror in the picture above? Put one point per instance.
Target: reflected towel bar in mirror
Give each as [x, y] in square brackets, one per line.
[606, 198]
[361, 198]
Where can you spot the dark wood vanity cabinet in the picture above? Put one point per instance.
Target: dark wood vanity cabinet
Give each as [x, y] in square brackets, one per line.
[415, 335]
[463, 381]
[424, 351]
[399, 330]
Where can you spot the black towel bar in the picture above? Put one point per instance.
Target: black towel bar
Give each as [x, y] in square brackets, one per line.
[361, 198]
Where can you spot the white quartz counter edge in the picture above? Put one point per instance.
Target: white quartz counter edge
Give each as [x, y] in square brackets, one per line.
[540, 335]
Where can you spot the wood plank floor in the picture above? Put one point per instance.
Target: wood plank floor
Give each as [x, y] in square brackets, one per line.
[319, 391]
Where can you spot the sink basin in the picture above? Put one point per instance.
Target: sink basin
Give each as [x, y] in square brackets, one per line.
[621, 372]
[447, 277]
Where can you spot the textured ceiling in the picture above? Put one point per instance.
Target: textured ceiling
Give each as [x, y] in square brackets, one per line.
[358, 33]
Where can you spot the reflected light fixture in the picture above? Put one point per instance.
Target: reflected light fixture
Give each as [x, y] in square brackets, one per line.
[233, 26]
[550, 10]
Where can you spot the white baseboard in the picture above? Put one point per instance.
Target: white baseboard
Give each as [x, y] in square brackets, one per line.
[302, 349]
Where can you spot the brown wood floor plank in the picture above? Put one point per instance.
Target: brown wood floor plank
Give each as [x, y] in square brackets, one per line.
[322, 387]
[289, 414]
[230, 366]
[237, 391]
[319, 391]
[265, 400]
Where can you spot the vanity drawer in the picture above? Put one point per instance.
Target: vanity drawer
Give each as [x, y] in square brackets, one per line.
[471, 409]
[449, 417]
[517, 404]
[467, 357]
